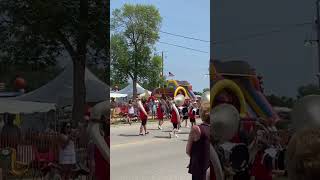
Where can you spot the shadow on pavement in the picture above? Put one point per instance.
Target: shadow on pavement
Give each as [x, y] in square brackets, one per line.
[163, 137]
[183, 133]
[129, 135]
[167, 131]
[153, 129]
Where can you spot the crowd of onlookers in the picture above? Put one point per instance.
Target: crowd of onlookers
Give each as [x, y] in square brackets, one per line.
[70, 149]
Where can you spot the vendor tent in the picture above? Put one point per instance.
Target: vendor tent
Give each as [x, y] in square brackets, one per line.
[60, 90]
[26, 107]
[117, 95]
[129, 90]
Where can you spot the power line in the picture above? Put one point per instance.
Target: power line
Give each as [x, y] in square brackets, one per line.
[186, 37]
[240, 38]
[184, 47]
[257, 35]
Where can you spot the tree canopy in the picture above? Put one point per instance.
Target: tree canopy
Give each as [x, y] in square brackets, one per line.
[308, 89]
[35, 33]
[135, 31]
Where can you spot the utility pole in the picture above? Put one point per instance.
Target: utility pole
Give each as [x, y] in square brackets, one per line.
[162, 62]
[162, 66]
[318, 39]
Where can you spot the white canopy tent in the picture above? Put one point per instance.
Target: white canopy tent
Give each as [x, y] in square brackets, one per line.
[26, 107]
[129, 90]
[60, 90]
[117, 95]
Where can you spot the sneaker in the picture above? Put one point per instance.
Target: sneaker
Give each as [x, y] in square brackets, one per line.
[141, 134]
[160, 127]
[170, 135]
[146, 133]
[176, 136]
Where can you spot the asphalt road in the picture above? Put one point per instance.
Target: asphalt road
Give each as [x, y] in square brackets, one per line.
[150, 157]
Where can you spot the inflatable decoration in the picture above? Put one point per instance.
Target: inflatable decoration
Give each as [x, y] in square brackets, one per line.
[180, 89]
[222, 85]
[306, 112]
[224, 120]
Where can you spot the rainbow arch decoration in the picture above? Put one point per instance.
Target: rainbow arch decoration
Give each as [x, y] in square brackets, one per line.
[238, 78]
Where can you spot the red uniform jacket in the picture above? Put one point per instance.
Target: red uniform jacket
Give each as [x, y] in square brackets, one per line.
[174, 118]
[142, 115]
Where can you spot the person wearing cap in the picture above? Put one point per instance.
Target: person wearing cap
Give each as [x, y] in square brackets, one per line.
[175, 119]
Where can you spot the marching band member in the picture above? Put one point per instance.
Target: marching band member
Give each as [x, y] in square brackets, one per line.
[175, 119]
[143, 109]
[160, 113]
[192, 114]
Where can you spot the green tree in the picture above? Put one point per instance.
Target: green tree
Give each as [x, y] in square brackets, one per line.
[205, 90]
[197, 93]
[119, 61]
[36, 32]
[136, 29]
[153, 78]
[308, 90]
[282, 101]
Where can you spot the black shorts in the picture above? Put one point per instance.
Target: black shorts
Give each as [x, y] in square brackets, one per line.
[175, 125]
[185, 117]
[143, 122]
[192, 120]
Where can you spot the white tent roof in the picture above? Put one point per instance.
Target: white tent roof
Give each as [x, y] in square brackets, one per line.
[60, 90]
[129, 90]
[117, 95]
[15, 106]
[144, 94]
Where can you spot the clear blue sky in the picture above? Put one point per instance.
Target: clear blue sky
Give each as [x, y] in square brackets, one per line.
[188, 18]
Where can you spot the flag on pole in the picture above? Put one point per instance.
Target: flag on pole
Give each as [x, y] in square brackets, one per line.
[170, 74]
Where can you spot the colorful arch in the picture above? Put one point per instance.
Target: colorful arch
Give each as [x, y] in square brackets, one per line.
[232, 86]
[178, 89]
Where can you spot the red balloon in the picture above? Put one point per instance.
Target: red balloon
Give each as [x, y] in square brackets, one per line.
[20, 83]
